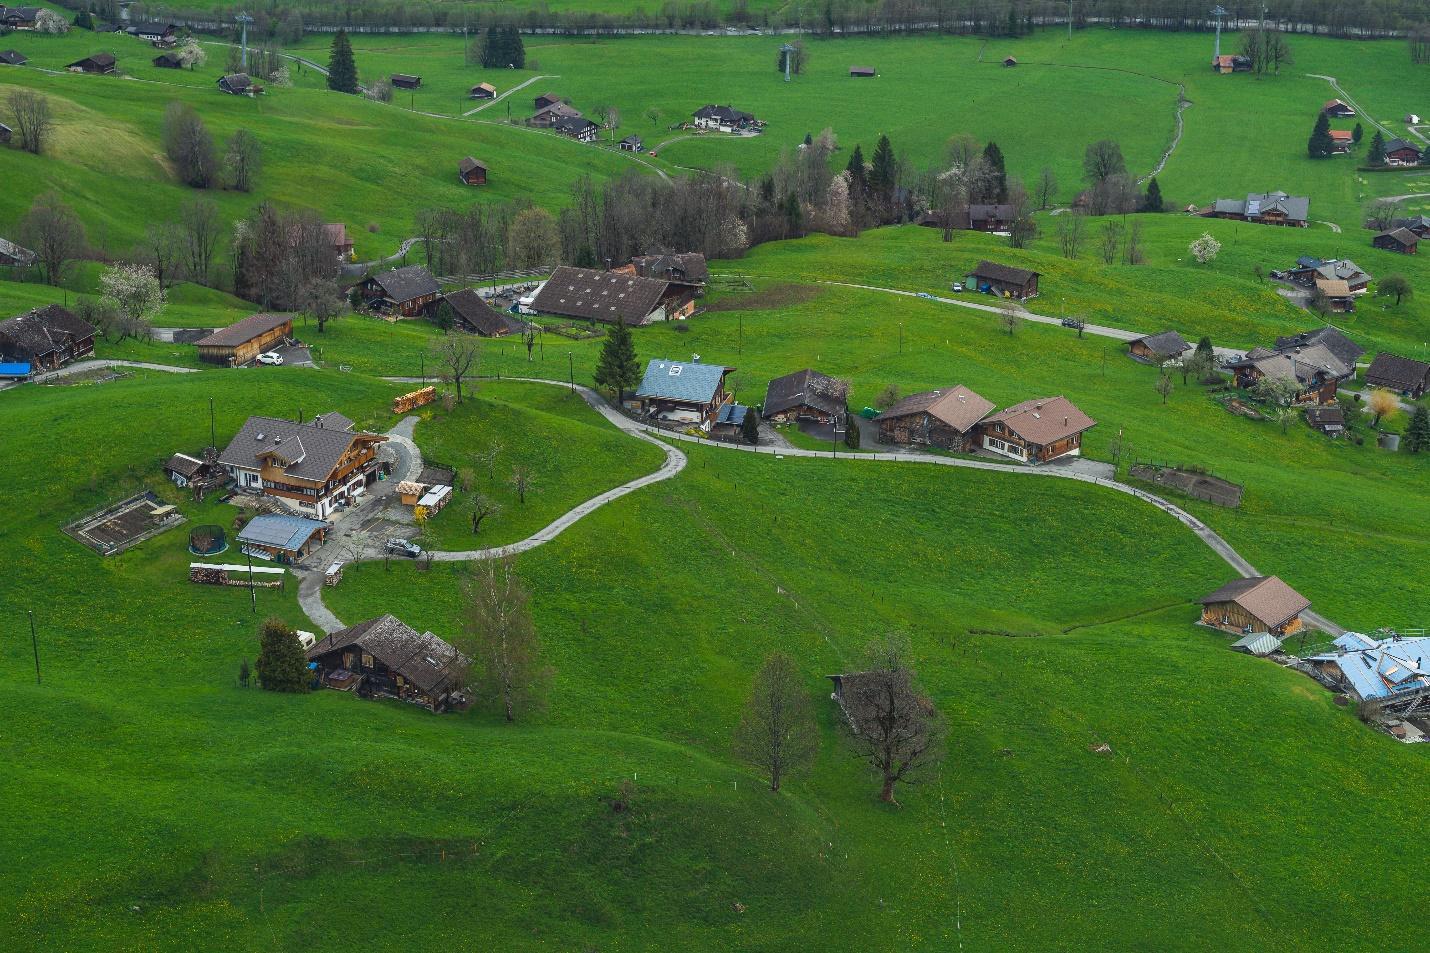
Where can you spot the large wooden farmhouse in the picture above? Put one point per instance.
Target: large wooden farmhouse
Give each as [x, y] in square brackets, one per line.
[1036, 431]
[687, 269]
[725, 119]
[1265, 208]
[1005, 281]
[682, 393]
[385, 658]
[406, 292]
[1401, 240]
[242, 341]
[946, 418]
[1401, 374]
[1255, 604]
[806, 395]
[314, 467]
[472, 314]
[1317, 361]
[45, 338]
[1400, 153]
[612, 297]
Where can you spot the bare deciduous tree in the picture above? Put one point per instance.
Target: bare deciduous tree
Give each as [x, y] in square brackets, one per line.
[532, 239]
[31, 114]
[1010, 316]
[456, 352]
[522, 481]
[1047, 188]
[242, 160]
[500, 637]
[54, 233]
[320, 300]
[488, 458]
[163, 250]
[1071, 230]
[189, 146]
[1111, 240]
[483, 507]
[896, 726]
[1164, 385]
[1132, 247]
[199, 221]
[777, 732]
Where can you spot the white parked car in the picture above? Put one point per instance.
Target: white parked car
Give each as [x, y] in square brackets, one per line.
[272, 358]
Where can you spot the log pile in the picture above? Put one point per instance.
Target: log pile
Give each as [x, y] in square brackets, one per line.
[413, 400]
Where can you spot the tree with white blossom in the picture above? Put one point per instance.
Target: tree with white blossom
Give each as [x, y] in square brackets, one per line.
[1204, 249]
[135, 292]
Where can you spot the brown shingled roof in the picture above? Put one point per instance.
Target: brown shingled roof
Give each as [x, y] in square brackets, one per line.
[956, 406]
[243, 331]
[1266, 597]
[1043, 420]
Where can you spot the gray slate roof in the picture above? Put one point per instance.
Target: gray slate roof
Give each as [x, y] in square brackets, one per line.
[599, 295]
[1296, 207]
[42, 330]
[806, 388]
[280, 531]
[1345, 350]
[425, 660]
[480, 317]
[13, 57]
[1402, 236]
[688, 267]
[241, 332]
[1400, 373]
[407, 283]
[21, 254]
[674, 380]
[728, 115]
[1167, 344]
[311, 451]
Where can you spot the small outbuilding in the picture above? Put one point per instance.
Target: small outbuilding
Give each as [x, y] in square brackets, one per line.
[632, 143]
[483, 91]
[1255, 604]
[168, 60]
[242, 341]
[1005, 281]
[98, 63]
[863, 72]
[1259, 644]
[13, 58]
[1328, 419]
[406, 81]
[472, 171]
[472, 314]
[282, 537]
[1401, 240]
[1158, 348]
[1009, 61]
[1338, 109]
[239, 84]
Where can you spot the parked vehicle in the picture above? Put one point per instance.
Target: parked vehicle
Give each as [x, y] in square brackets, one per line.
[271, 358]
[925, 294]
[957, 286]
[1073, 323]
[403, 547]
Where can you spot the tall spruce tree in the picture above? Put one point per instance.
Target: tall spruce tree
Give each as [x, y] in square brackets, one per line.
[1357, 134]
[282, 664]
[858, 175]
[1377, 149]
[750, 426]
[342, 69]
[883, 174]
[997, 174]
[1417, 434]
[1319, 146]
[617, 367]
[1152, 201]
[515, 49]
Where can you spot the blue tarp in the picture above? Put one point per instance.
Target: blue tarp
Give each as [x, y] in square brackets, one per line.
[14, 370]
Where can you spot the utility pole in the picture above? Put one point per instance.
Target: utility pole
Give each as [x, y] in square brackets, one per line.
[740, 338]
[252, 592]
[1218, 12]
[35, 644]
[1069, 19]
[244, 20]
[213, 434]
[571, 371]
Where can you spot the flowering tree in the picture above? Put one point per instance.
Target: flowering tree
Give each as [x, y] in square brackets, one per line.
[1204, 249]
[191, 54]
[48, 21]
[134, 291]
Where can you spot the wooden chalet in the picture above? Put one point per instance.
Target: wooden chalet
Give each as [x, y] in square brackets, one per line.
[546, 100]
[1401, 240]
[168, 60]
[1036, 431]
[682, 393]
[242, 341]
[281, 537]
[1401, 153]
[1341, 141]
[687, 270]
[806, 395]
[1418, 225]
[1255, 604]
[1231, 64]
[45, 338]
[239, 84]
[1310, 270]
[314, 467]
[18, 18]
[98, 63]
[1264, 208]
[472, 171]
[946, 418]
[1004, 281]
[1336, 294]
[472, 314]
[576, 127]
[483, 91]
[1317, 361]
[611, 297]
[407, 291]
[13, 58]
[405, 81]
[632, 143]
[1158, 348]
[724, 119]
[1401, 374]
[1337, 109]
[15, 256]
[385, 658]
[159, 34]
[547, 116]
[863, 72]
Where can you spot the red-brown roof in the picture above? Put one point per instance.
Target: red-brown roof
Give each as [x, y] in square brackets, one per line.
[1043, 420]
[1266, 597]
[241, 332]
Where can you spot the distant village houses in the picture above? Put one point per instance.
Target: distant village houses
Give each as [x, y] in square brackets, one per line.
[1265, 208]
[1316, 361]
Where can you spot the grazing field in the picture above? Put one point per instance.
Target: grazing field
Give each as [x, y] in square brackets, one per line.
[246, 817]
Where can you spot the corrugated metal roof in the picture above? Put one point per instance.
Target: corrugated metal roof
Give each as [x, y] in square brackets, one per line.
[284, 532]
[1259, 643]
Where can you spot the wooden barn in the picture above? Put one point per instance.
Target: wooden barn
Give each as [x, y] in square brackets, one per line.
[1401, 240]
[472, 171]
[863, 72]
[384, 658]
[98, 63]
[406, 81]
[1004, 281]
[946, 418]
[1337, 109]
[1255, 604]
[546, 100]
[407, 291]
[242, 341]
[1158, 348]
[472, 314]
[806, 395]
[1401, 153]
[1403, 375]
[483, 91]
[1036, 431]
[239, 84]
[46, 338]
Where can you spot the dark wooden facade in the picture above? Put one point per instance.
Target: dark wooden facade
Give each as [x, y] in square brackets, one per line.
[1230, 617]
[1027, 450]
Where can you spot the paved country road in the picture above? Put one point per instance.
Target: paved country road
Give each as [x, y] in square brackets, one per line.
[310, 587]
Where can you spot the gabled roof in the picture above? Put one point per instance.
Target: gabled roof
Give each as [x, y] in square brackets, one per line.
[487, 87]
[1381, 668]
[406, 78]
[306, 451]
[13, 57]
[1002, 273]
[1334, 268]
[727, 115]
[599, 295]
[559, 109]
[1326, 418]
[1398, 145]
[168, 57]
[1401, 236]
[1345, 350]
[1043, 420]
[425, 660]
[480, 317]
[572, 125]
[956, 406]
[1167, 343]
[687, 267]
[674, 380]
[98, 59]
[184, 465]
[10, 250]
[1257, 643]
[1402, 373]
[280, 531]
[468, 164]
[806, 388]
[407, 283]
[1266, 598]
[43, 330]
[236, 81]
[1333, 287]
[243, 331]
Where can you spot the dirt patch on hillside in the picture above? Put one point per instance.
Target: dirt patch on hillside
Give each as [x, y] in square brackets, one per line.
[766, 299]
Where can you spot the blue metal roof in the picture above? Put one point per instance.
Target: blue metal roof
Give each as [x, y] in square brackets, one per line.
[732, 414]
[1306, 261]
[283, 532]
[14, 370]
[675, 380]
[1403, 664]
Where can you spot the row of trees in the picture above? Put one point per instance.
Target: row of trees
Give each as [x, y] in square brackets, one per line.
[500, 48]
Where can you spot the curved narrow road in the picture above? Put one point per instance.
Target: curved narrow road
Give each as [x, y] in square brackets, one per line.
[515, 89]
[310, 587]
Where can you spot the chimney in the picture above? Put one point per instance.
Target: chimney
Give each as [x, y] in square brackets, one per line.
[1065, 421]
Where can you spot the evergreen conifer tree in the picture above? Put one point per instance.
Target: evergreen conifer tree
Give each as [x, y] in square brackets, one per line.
[750, 427]
[883, 175]
[1417, 433]
[1377, 149]
[617, 367]
[282, 665]
[999, 187]
[342, 69]
[1319, 146]
[1152, 201]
